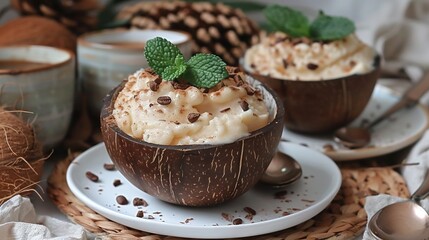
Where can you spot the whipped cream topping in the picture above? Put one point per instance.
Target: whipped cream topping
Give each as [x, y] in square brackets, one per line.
[282, 57]
[173, 113]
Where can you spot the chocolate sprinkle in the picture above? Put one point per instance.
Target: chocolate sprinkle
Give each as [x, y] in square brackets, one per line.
[117, 182]
[225, 110]
[244, 105]
[158, 80]
[140, 214]
[153, 86]
[249, 210]
[164, 100]
[193, 117]
[109, 166]
[285, 63]
[237, 221]
[121, 200]
[91, 176]
[312, 66]
[249, 90]
[139, 202]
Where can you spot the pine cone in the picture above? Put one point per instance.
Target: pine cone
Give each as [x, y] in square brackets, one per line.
[215, 28]
[76, 15]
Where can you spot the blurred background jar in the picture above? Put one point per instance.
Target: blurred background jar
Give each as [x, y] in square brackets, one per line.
[40, 80]
[107, 57]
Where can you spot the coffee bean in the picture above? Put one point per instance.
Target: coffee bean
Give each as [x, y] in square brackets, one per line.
[193, 117]
[117, 182]
[121, 200]
[244, 105]
[249, 210]
[139, 202]
[109, 166]
[164, 100]
[140, 214]
[158, 80]
[312, 66]
[178, 85]
[153, 86]
[237, 221]
[91, 176]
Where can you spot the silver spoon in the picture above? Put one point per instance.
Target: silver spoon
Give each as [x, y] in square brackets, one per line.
[357, 137]
[403, 220]
[282, 171]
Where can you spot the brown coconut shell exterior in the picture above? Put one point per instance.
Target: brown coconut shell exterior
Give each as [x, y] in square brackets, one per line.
[322, 106]
[192, 175]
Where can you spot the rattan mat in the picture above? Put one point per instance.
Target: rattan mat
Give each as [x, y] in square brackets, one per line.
[344, 218]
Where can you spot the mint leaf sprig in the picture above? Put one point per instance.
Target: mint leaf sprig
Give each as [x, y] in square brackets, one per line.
[201, 70]
[296, 24]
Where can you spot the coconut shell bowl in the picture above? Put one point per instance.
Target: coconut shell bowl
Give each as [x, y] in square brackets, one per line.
[194, 175]
[322, 106]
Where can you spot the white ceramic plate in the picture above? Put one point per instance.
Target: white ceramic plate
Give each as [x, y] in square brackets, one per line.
[275, 209]
[400, 130]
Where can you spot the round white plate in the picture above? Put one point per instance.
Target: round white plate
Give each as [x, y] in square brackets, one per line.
[400, 130]
[275, 209]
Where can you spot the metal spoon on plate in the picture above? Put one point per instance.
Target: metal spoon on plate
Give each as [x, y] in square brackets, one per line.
[282, 171]
[403, 220]
[357, 137]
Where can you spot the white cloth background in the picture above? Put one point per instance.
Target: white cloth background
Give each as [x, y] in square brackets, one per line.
[18, 220]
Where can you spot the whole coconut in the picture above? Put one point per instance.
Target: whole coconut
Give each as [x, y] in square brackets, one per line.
[21, 156]
[34, 30]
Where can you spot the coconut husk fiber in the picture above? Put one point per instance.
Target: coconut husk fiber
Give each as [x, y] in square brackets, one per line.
[21, 156]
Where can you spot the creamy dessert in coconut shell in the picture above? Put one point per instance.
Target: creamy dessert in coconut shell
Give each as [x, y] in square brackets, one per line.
[175, 113]
[282, 57]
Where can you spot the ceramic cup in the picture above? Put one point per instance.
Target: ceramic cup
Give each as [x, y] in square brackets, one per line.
[40, 80]
[107, 57]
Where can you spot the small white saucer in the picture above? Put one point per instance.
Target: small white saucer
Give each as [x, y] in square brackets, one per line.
[400, 130]
[274, 209]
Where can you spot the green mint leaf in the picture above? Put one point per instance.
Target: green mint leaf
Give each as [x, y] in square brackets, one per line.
[174, 71]
[160, 54]
[327, 28]
[205, 70]
[287, 20]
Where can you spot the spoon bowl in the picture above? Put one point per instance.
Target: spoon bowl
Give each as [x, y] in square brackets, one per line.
[282, 171]
[357, 137]
[400, 221]
[403, 220]
[353, 137]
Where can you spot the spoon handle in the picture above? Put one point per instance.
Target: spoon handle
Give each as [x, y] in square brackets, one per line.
[410, 98]
[423, 191]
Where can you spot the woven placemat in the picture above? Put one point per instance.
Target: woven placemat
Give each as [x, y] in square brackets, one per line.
[344, 218]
